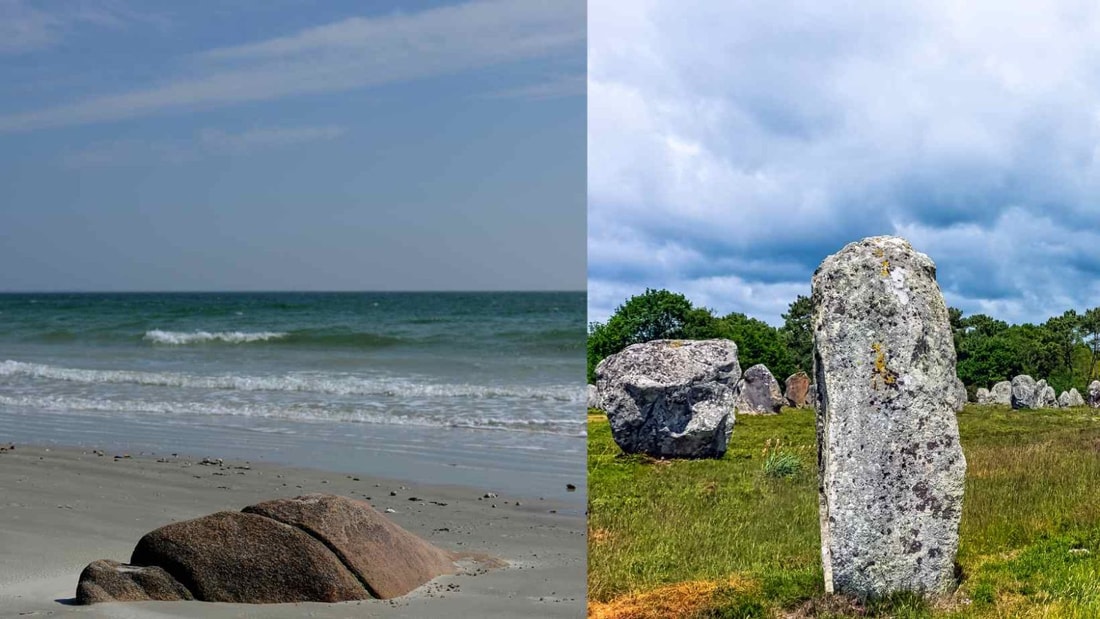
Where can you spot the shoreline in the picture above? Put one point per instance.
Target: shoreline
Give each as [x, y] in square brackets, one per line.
[63, 507]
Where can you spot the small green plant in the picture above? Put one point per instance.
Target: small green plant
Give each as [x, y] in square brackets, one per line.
[779, 462]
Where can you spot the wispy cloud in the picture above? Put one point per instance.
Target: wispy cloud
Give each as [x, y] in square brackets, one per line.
[349, 54]
[207, 142]
[26, 28]
[554, 88]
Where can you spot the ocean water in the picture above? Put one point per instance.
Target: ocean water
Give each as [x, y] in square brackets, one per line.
[436, 387]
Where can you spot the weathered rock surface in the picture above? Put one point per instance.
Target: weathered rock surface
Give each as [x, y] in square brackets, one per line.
[1071, 398]
[758, 392]
[1045, 397]
[1024, 392]
[593, 395]
[388, 560]
[1001, 393]
[111, 581]
[236, 557]
[797, 389]
[983, 396]
[891, 466]
[671, 398]
[1094, 394]
[960, 395]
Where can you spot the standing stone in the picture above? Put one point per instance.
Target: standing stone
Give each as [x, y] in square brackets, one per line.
[758, 392]
[1024, 392]
[593, 395]
[960, 395]
[891, 466]
[671, 398]
[1045, 397]
[1094, 394]
[1071, 398]
[982, 396]
[1001, 393]
[798, 388]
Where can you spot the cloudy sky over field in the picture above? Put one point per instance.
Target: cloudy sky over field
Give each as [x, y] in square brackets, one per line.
[286, 144]
[733, 145]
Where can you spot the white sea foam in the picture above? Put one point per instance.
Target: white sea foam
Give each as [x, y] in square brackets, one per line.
[296, 412]
[178, 338]
[335, 384]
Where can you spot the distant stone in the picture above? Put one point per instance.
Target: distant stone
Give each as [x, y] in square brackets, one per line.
[1094, 394]
[758, 392]
[111, 581]
[1024, 392]
[1071, 398]
[1001, 393]
[385, 558]
[236, 557]
[1045, 396]
[593, 397]
[797, 389]
[960, 395]
[671, 398]
[982, 395]
[891, 466]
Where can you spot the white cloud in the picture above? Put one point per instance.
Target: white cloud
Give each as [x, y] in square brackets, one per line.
[350, 54]
[743, 132]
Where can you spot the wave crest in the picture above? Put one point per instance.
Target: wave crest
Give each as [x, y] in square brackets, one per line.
[179, 338]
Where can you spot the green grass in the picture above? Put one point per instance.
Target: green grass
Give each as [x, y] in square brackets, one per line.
[1029, 538]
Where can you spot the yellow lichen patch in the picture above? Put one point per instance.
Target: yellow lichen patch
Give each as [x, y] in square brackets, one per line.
[881, 373]
[885, 272]
[684, 599]
[676, 343]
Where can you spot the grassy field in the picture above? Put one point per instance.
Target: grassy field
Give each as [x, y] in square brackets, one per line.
[725, 538]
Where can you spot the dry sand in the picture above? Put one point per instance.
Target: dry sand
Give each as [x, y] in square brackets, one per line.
[63, 508]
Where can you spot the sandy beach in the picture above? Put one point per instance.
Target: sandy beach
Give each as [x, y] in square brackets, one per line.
[61, 508]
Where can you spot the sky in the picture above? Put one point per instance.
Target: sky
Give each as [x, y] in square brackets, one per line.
[292, 145]
[734, 145]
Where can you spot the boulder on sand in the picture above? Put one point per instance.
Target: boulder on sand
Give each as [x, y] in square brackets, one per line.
[1001, 393]
[387, 559]
[313, 548]
[797, 389]
[671, 398]
[758, 392]
[111, 581]
[1024, 392]
[891, 467]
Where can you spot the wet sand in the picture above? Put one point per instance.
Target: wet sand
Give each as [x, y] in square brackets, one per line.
[61, 508]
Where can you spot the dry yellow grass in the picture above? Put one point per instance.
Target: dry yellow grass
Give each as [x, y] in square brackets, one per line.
[672, 602]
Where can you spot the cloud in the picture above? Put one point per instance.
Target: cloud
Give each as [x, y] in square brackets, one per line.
[207, 142]
[745, 142]
[349, 54]
[25, 28]
[553, 88]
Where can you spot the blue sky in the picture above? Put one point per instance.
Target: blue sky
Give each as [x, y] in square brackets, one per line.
[734, 145]
[401, 145]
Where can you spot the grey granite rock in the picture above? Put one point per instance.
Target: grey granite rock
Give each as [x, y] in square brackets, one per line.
[983, 396]
[671, 398]
[960, 395]
[1001, 393]
[1024, 392]
[1094, 394]
[891, 465]
[594, 397]
[758, 392]
[1045, 396]
[1071, 398]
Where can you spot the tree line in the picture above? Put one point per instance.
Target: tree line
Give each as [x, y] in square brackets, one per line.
[1065, 350]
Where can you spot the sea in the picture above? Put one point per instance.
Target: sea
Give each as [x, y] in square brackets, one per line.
[482, 388]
